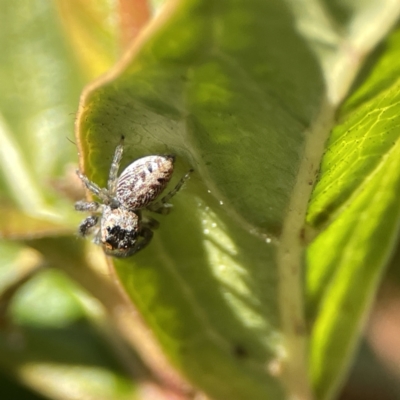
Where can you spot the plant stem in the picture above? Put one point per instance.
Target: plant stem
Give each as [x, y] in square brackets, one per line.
[290, 262]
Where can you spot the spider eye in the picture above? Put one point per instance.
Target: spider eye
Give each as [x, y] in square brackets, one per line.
[119, 238]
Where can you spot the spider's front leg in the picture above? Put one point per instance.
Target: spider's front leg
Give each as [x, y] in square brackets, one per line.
[87, 206]
[95, 189]
[87, 225]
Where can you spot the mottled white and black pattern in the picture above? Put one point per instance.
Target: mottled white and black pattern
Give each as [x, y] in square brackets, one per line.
[143, 181]
[123, 231]
[118, 231]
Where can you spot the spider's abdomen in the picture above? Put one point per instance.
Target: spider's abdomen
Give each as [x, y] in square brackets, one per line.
[143, 180]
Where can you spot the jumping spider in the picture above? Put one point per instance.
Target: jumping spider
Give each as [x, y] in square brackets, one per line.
[123, 231]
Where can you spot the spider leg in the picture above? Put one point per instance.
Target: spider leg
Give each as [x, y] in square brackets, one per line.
[87, 225]
[162, 206]
[146, 234]
[113, 175]
[176, 189]
[98, 191]
[149, 222]
[88, 206]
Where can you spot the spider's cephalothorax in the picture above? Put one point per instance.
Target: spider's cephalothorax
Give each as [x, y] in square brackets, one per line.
[123, 231]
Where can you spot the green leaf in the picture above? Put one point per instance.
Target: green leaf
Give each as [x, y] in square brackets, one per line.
[232, 94]
[39, 86]
[356, 201]
[19, 226]
[37, 96]
[11, 390]
[40, 83]
[92, 31]
[243, 92]
[63, 355]
[47, 340]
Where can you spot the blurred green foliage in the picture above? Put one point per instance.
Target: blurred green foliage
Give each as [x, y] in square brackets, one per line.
[245, 92]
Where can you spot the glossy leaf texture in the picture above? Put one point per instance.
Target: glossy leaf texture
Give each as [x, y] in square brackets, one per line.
[244, 93]
[201, 84]
[356, 204]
